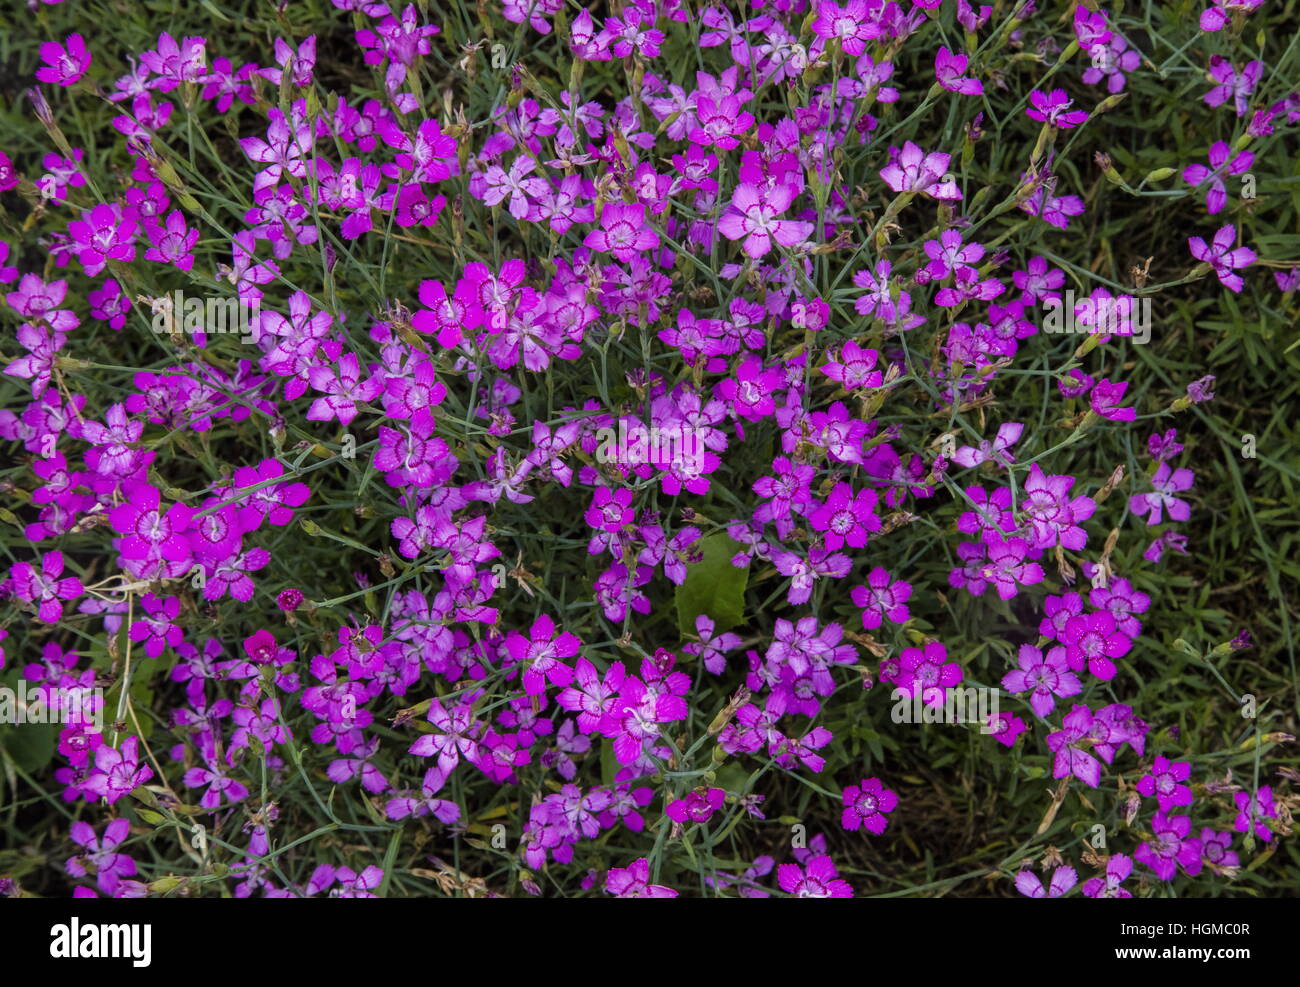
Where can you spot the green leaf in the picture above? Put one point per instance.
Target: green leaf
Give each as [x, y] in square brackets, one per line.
[713, 586]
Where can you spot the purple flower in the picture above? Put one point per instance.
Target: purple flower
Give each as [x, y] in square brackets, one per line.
[851, 23]
[1164, 781]
[866, 805]
[948, 69]
[108, 866]
[753, 216]
[1217, 852]
[1112, 61]
[1198, 391]
[1232, 84]
[817, 879]
[623, 232]
[540, 653]
[1045, 678]
[1166, 482]
[1118, 869]
[697, 806]
[1170, 847]
[633, 881]
[1105, 398]
[1221, 256]
[928, 673]
[1253, 810]
[1094, 639]
[996, 451]
[1071, 758]
[1054, 108]
[1052, 514]
[881, 597]
[1220, 12]
[47, 589]
[846, 518]
[854, 367]
[1030, 884]
[1222, 162]
[65, 63]
[913, 170]
[117, 772]
[1163, 446]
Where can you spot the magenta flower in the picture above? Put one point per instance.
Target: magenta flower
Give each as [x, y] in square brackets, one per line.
[152, 539]
[1105, 398]
[1045, 678]
[1111, 60]
[818, 879]
[1170, 847]
[343, 388]
[102, 235]
[173, 241]
[65, 63]
[101, 857]
[913, 170]
[633, 881]
[1166, 482]
[1164, 781]
[1118, 869]
[1217, 852]
[846, 518]
[9, 178]
[1094, 639]
[852, 24]
[997, 451]
[928, 673]
[753, 216]
[1005, 728]
[882, 597]
[1219, 13]
[155, 626]
[1071, 758]
[47, 589]
[1054, 108]
[1052, 514]
[866, 806]
[117, 772]
[1222, 162]
[541, 652]
[1232, 84]
[1221, 256]
[752, 389]
[1030, 884]
[634, 31]
[610, 510]
[623, 232]
[697, 806]
[1252, 810]
[948, 69]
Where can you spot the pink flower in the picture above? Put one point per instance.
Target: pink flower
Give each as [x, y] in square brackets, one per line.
[866, 805]
[1221, 256]
[948, 69]
[623, 232]
[753, 216]
[65, 63]
[819, 880]
[633, 881]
